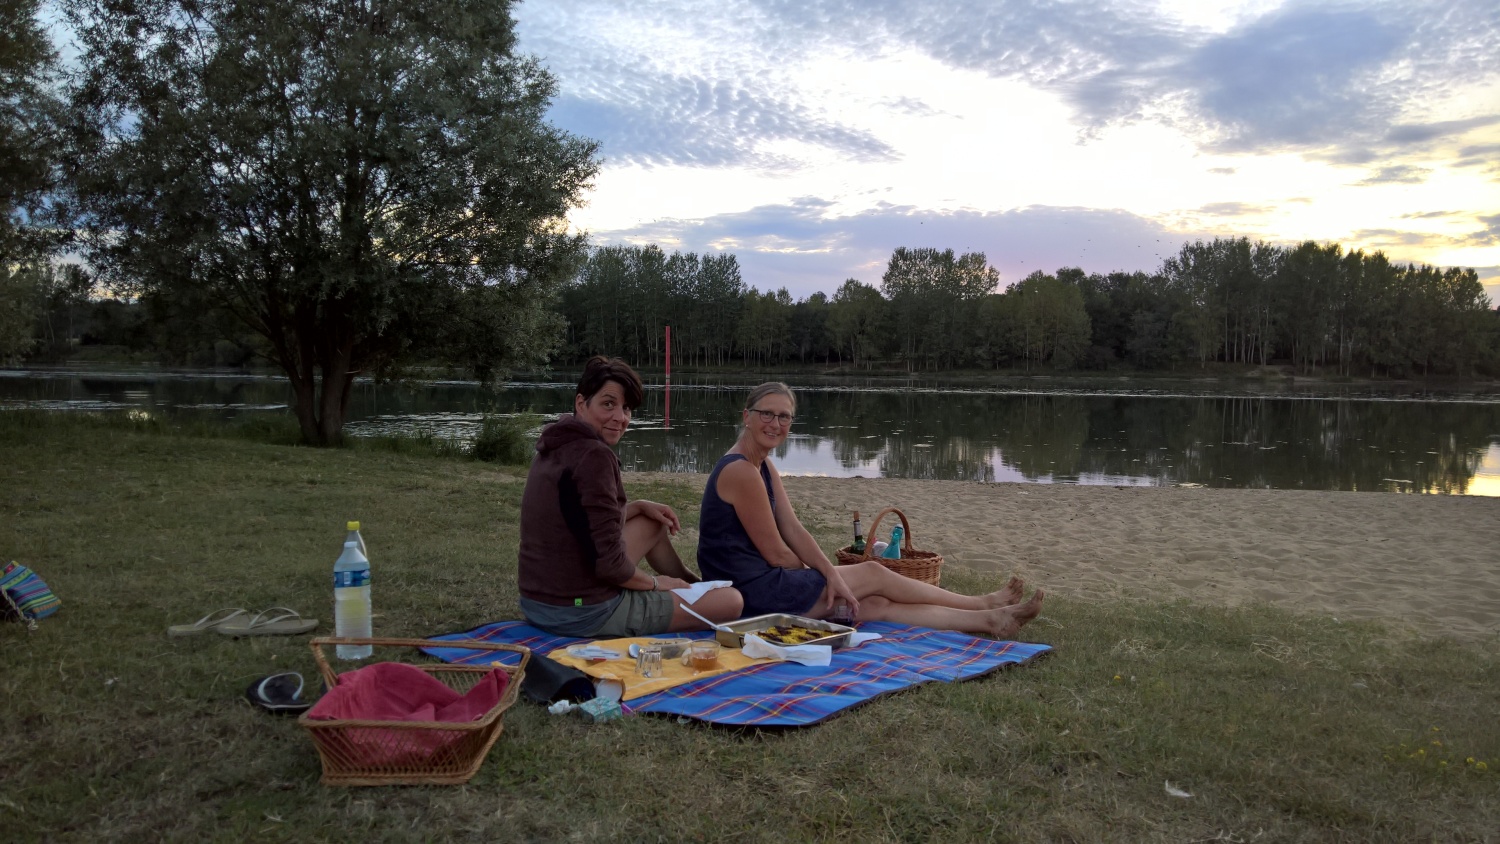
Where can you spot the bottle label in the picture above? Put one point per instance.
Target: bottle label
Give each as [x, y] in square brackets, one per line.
[353, 578]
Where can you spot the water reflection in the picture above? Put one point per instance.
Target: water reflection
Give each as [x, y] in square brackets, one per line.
[1486, 480]
[1383, 442]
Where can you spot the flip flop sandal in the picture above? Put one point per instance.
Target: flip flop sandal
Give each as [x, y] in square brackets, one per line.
[279, 693]
[276, 621]
[212, 621]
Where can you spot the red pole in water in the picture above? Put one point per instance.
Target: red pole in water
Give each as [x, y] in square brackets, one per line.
[668, 416]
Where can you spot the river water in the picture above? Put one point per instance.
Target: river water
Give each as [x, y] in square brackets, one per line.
[1216, 434]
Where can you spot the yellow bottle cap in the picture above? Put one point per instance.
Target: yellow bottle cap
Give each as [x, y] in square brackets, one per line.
[353, 526]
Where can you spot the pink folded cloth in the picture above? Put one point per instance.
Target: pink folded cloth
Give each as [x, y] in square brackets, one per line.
[393, 691]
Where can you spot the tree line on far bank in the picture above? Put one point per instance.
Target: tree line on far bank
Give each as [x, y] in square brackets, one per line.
[1225, 301]
[1229, 300]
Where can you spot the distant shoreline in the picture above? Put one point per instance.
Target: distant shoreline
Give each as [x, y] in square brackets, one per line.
[1269, 377]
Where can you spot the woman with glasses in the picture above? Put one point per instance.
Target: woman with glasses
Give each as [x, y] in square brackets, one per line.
[580, 538]
[749, 534]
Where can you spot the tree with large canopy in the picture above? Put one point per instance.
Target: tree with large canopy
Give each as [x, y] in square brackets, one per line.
[28, 133]
[934, 296]
[28, 154]
[857, 317]
[364, 183]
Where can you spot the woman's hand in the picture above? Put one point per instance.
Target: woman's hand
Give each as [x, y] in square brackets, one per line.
[650, 509]
[642, 581]
[838, 589]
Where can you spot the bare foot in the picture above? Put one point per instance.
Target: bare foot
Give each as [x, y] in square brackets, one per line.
[1011, 594]
[1006, 622]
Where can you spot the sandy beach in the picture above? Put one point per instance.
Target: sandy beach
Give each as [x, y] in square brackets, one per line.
[1427, 563]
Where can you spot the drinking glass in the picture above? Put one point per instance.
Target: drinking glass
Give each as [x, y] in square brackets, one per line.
[648, 663]
[704, 655]
[841, 614]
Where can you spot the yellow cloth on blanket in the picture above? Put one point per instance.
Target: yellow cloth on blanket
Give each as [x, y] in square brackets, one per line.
[674, 672]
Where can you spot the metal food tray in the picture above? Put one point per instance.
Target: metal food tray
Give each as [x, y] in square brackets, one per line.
[734, 637]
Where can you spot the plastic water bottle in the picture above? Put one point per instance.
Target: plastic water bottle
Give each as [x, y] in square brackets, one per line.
[354, 536]
[351, 600]
[893, 550]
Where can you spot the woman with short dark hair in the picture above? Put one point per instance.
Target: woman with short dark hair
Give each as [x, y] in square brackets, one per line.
[749, 534]
[581, 539]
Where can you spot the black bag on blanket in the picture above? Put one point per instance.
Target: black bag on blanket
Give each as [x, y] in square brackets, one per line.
[549, 681]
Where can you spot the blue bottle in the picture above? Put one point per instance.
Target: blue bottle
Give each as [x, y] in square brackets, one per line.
[893, 550]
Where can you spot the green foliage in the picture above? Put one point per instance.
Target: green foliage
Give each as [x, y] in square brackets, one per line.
[857, 318]
[360, 184]
[1227, 301]
[624, 297]
[420, 442]
[43, 308]
[933, 296]
[18, 312]
[29, 142]
[505, 439]
[765, 330]
[1313, 304]
[810, 335]
[1041, 321]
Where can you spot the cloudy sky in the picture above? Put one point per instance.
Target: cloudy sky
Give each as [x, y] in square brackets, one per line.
[812, 137]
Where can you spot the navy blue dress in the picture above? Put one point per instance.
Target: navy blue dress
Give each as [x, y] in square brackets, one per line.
[725, 552]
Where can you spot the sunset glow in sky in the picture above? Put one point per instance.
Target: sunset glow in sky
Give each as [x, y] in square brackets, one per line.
[812, 138]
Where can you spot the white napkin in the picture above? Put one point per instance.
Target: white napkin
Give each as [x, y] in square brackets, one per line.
[759, 648]
[691, 594]
[858, 638]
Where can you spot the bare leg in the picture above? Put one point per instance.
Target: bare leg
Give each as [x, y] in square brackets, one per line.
[870, 579]
[1000, 623]
[647, 538]
[721, 605]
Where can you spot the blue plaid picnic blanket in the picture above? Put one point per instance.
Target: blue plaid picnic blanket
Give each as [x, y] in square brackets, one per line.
[786, 694]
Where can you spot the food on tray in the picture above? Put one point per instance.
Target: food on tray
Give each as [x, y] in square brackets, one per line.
[787, 635]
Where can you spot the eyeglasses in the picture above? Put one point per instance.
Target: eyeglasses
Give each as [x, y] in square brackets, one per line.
[772, 416]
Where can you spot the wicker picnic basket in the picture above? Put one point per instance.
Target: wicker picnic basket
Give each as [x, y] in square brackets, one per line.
[925, 566]
[357, 752]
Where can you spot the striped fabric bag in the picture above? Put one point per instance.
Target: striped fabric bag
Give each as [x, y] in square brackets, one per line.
[26, 595]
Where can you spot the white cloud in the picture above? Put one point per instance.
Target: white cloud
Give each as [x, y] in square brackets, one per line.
[1403, 174]
[1277, 121]
[800, 246]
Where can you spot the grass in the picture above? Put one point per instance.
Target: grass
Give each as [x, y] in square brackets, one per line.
[1282, 727]
[501, 439]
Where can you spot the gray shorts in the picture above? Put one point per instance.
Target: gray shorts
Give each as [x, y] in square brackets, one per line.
[640, 613]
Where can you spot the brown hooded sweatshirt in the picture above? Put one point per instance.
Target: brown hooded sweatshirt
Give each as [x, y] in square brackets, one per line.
[573, 519]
